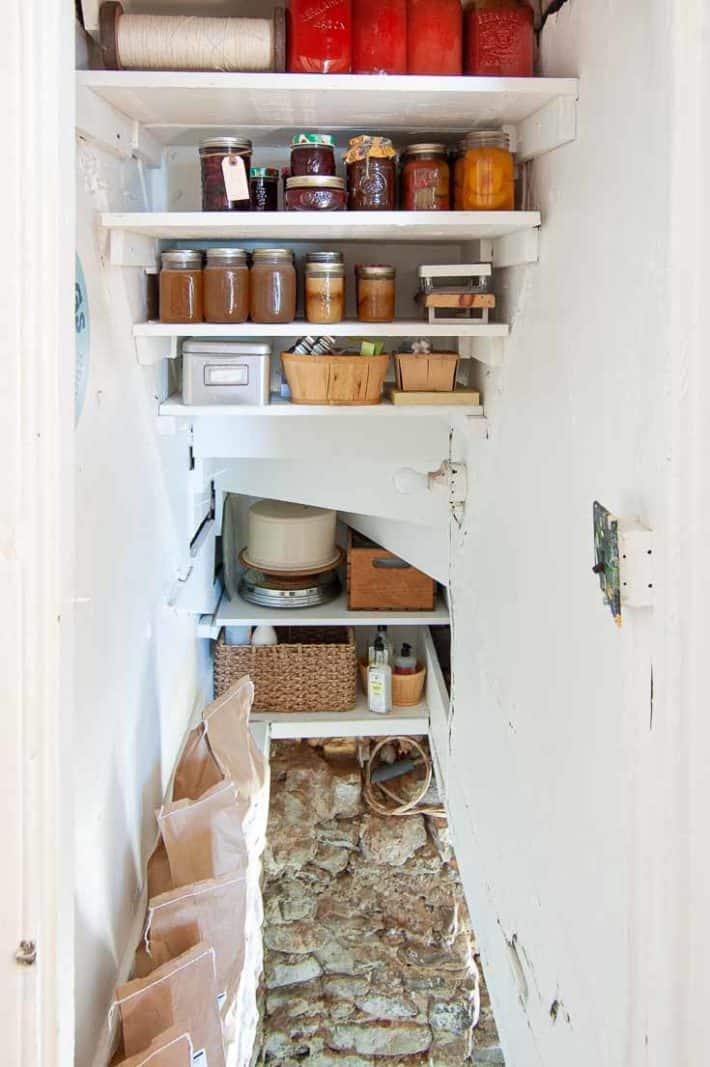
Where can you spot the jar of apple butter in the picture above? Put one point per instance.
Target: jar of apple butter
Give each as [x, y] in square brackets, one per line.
[226, 285]
[273, 285]
[181, 286]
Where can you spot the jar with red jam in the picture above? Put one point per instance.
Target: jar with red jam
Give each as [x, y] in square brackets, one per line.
[319, 36]
[315, 192]
[425, 179]
[371, 164]
[498, 38]
[264, 188]
[379, 36]
[434, 36]
[225, 163]
[312, 153]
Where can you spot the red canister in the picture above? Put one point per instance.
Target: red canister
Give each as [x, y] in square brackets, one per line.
[380, 36]
[319, 36]
[434, 36]
[499, 38]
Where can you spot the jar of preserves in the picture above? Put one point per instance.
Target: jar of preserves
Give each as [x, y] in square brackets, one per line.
[225, 163]
[272, 286]
[483, 175]
[226, 285]
[312, 153]
[375, 293]
[315, 192]
[181, 286]
[264, 188]
[319, 36]
[434, 36]
[325, 292]
[498, 38]
[372, 174]
[425, 179]
[379, 36]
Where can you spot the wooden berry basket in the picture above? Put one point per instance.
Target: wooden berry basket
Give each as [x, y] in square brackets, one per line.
[350, 379]
[426, 372]
[407, 689]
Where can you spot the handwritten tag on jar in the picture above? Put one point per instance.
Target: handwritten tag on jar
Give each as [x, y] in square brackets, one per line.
[235, 178]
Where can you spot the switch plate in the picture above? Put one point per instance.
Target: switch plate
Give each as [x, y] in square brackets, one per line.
[624, 561]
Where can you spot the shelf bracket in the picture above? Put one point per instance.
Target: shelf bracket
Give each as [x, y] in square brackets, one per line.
[151, 349]
[132, 249]
[102, 124]
[513, 249]
[488, 350]
[553, 125]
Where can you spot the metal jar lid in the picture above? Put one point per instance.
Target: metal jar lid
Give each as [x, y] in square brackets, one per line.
[315, 181]
[185, 258]
[264, 172]
[336, 269]
[425, 150]
[314, 140]
[324, 257]
[375, 270]
[226, 256]
[273, 253]
[485, 139]
[226, 144]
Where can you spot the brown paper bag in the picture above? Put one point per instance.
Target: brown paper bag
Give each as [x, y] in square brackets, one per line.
[231, 743]
[204, 838]
[170, 1049]
[197, 770]
[213, 911]
[181, 993]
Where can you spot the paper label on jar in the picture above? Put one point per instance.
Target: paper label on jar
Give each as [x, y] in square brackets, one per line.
[235, 178]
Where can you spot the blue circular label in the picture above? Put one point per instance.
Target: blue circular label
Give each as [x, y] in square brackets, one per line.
[81, 326]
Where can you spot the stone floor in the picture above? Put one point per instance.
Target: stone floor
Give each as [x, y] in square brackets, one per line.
[369, 954]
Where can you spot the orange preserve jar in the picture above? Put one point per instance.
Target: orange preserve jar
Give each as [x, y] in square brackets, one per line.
[180, 286]
[483, 173]
[425, 178]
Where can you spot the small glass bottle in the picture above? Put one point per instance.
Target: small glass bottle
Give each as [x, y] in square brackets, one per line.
[181, 286]
[324, 292]
[379, 681]
[264, 188]
[226, 285]
[375, 293]
[405, 662]
[273, 286]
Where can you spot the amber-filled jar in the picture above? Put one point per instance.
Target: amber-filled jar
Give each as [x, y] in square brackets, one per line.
[375, 293]
[483, 173]
[325, 292]
[372, 174]
[425, 179]
[264, 188]
[273, 285]
[213, 153]
[434, 36]
[315, 192]
[226, 283]
[498, 38]
[181, 287]
[312, 153]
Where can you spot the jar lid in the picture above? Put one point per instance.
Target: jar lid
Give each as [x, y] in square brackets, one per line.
[315, 181]
[424, 149]
[272, 253]
[375, 270]
[324, 140]
[366, 147]
[325, 268]
[226, 143]
[227, 255]
[181, 257]
[263, 172]
[324, 257]
[485, 139]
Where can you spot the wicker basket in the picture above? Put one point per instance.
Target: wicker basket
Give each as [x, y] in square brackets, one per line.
[431, 372]
[335, 379]
[313, 668]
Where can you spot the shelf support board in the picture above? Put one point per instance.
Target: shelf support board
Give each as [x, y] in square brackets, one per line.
[102, 124]
[128, 249]
[553, 125]
[513, 249]
[488, 350]
[150, 349]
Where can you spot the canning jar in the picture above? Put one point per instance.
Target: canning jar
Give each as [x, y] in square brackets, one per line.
[315, 192]
[425, 179]
[483, 176]
[226, 285]
[272, 286]
[264, 188]
[498, 38]
[318, 36]
[325, 292]
[434, 36]
[312, 153]
[375, 293]
[223, 161]
[372, 174]
[181, 288]
[379, 36]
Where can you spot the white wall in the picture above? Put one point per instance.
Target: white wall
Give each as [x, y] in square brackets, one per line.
[552, 702]
[138, 667]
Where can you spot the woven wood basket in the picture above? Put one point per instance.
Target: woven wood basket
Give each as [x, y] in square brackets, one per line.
[335, 379]
[313, 668]
[432, 372]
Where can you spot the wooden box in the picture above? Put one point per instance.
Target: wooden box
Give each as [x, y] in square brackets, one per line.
[426, 372]
[379, 581]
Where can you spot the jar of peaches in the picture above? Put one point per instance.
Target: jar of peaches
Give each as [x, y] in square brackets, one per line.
[483, 172]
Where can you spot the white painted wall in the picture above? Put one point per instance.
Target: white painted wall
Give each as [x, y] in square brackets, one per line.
[138, 667]
[550, 783]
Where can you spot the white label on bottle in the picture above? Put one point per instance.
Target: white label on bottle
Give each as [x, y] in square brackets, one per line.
[377, 691]
[235, 178]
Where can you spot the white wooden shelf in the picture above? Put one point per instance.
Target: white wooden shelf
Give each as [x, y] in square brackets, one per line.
[280, 408]
[237, 612]
[356, 723]
[181, 108]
